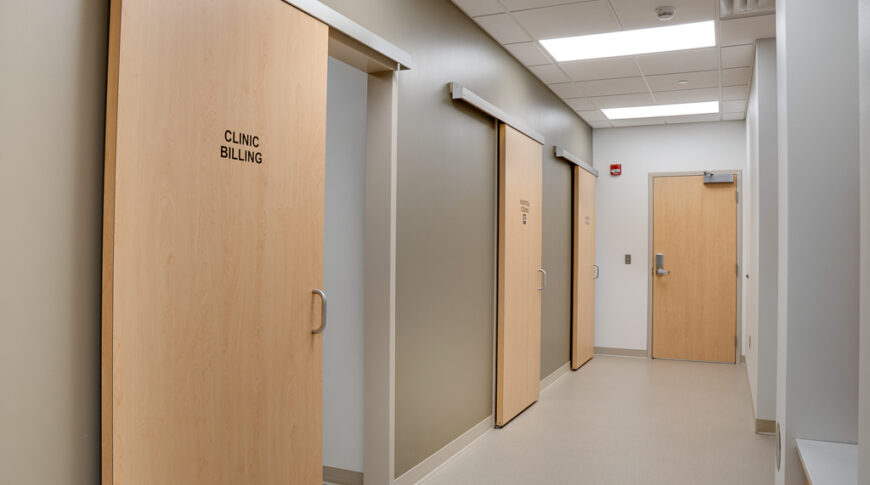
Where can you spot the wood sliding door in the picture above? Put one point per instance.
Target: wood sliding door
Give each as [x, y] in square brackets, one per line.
[213, 243]
[585, 270]
[695, 294]
[518, 362]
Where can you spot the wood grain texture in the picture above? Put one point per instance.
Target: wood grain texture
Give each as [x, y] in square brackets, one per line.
[583, 322]
[518, 362]
[695, 306]
[210, 371]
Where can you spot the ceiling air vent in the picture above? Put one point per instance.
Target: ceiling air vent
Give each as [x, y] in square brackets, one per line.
[745, 8]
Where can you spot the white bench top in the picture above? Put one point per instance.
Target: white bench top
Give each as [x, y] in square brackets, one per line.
[827, 463]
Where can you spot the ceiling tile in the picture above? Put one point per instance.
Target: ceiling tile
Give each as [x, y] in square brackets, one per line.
[600, 124]
[623, 100]
[566, 90]
[605, 87]
[687, 96]
[527, 4]
[733, 106]
[731, 93]
[529, 53]
[671, 120]
[736, 76]
[473, 8]
[733, 116]
[593, 115]
[550, 74]
[580, 104]
[566, 20]
[738, 56]
[638, 122]
[697, 80]
[502, 28]
[746, 30]
[680, 61]
[640, 14]
[601, 68]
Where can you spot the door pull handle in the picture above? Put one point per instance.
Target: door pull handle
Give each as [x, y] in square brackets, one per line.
[322, 311]
[544, 277]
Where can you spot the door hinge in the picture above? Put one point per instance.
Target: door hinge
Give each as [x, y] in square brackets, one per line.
[735, 341]
[737, 269]
[737, 196]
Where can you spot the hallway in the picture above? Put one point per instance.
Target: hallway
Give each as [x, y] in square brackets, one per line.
[622, 420]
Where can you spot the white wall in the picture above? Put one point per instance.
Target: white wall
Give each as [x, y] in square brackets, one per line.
[343, 357]
[817, 351]
[761, 298]
[52, 108]
[623, 211]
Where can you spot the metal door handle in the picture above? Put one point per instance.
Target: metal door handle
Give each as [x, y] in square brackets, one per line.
[322, 311]
[660, 265]
[544, 283]
[597, 271]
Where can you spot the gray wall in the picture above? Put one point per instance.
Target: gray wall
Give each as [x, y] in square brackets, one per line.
[52, 105]
[817, 351]
[558, 251]
[864, 385]
[446, 215]
[761, 322]
[343, 362]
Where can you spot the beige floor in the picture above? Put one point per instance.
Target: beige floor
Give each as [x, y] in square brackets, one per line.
[622, 420]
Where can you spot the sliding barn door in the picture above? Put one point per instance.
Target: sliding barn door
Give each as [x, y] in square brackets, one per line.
[695, 287]
[585, 271]
[213, 243]
[519, 275]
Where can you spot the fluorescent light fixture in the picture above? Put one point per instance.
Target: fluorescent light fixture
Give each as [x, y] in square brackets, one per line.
[631, 42]
[706, 107]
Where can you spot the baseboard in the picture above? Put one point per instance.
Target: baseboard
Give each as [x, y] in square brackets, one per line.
[742, 359]
[622, 352]
[556, 374]
[444, 455]
[340, 476]
[765, 426]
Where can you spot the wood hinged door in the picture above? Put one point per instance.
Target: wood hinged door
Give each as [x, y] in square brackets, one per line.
[585, 270]
[213, 243]
[695, 294]
[518, 362]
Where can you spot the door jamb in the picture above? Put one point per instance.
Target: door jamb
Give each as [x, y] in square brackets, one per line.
[738, 349]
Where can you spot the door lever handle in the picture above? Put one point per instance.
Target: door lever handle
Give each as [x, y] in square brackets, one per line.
[544, 282]
[660, 265]
[322, 311]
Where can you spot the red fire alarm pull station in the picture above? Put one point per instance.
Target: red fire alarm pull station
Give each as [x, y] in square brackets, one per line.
[616, 169]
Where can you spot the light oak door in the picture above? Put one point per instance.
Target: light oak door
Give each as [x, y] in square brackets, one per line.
[695, 290]
[213, 243]
[520, 279]
[585, 270]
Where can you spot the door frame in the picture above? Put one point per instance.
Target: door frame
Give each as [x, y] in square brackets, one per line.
[738, 321]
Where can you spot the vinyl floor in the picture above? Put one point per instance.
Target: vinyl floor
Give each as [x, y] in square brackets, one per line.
[624, 420]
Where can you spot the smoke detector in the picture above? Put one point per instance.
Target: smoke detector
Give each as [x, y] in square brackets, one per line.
[666, 13]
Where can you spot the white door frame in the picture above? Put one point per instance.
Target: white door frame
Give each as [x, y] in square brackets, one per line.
[738, 350]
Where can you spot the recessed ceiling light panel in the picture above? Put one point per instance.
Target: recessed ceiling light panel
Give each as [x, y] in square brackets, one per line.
[662, 110]
[632, 42]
